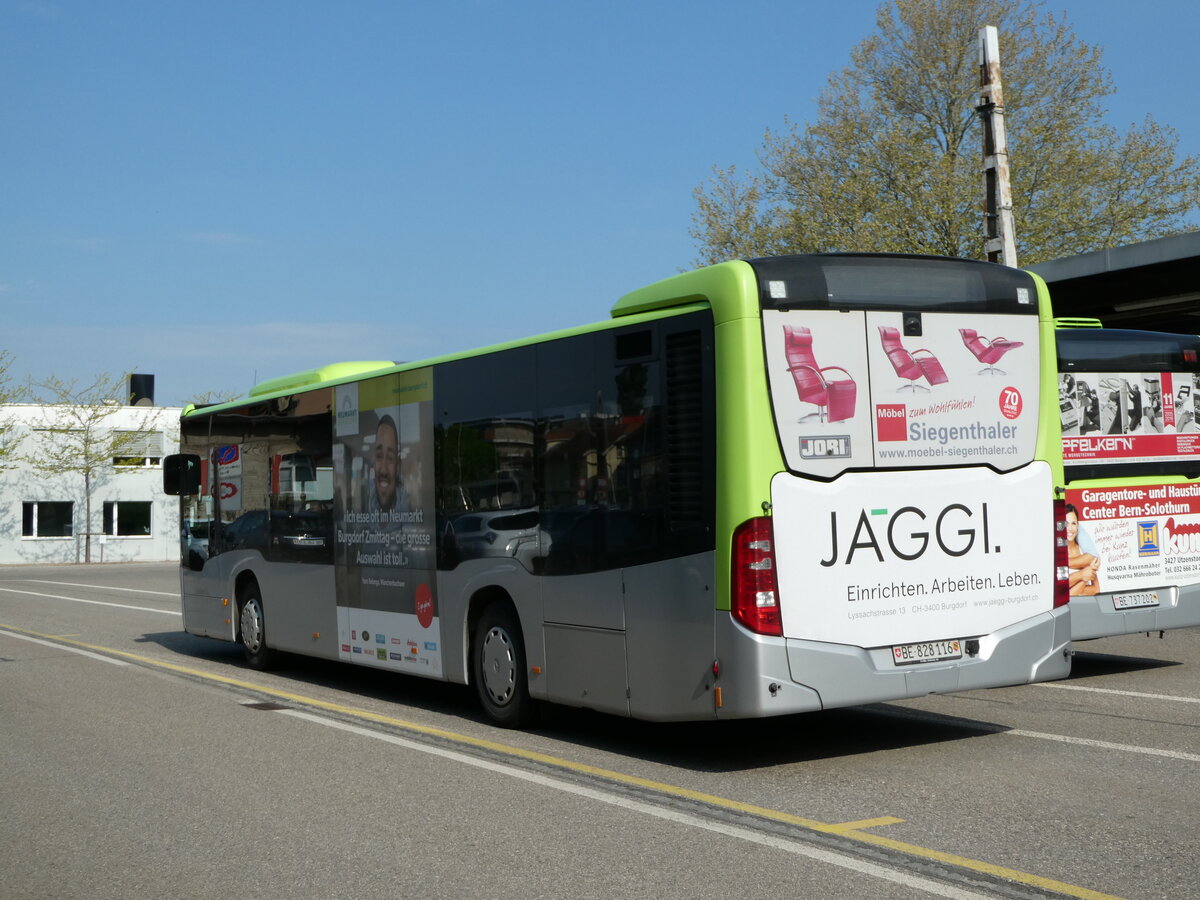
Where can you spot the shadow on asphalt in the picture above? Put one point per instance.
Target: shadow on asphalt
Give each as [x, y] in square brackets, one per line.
[701, 746]
[1093, 665]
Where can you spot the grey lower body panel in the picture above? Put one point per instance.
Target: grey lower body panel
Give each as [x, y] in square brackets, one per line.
[1098, 616]
[773, 676]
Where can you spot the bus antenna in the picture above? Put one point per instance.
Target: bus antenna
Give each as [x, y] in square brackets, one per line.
[1001, 243]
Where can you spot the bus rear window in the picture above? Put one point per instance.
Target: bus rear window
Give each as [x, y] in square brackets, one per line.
[1128, 403]
[893, 282]
[1120, 350]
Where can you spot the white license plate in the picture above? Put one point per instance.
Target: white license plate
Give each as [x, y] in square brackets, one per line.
[1133, 601]
[926, 652]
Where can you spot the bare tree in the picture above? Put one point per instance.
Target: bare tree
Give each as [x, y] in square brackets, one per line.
[211, 398]
[9, 393]
[77, 437]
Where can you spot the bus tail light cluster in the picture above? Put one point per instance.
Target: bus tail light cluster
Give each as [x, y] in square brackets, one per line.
[1062, 569]
[755, 595]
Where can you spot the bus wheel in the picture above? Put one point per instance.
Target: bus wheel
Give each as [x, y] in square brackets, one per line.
[498, 664]
[252, 629]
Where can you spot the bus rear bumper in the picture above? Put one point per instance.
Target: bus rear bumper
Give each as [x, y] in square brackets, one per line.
[1098, 616]
[817, 675]
[1036, 649]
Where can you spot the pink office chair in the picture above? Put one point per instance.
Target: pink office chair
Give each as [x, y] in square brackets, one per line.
[913, 366]
[833, 397]
[988, 352]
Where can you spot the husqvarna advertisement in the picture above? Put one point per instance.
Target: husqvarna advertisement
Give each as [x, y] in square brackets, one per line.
[887, 389]
[878, 559]
[384, 522]
[1122, 538]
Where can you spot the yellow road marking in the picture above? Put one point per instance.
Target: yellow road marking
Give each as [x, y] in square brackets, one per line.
[850, 830]
[864, 823]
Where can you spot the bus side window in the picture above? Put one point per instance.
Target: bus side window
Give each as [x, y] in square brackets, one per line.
[484, 440]
[573, 470]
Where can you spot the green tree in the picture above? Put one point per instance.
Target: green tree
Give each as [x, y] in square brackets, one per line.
[77, 437]
[893, 160]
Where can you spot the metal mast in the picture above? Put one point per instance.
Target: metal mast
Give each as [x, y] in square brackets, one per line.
[1001, 243]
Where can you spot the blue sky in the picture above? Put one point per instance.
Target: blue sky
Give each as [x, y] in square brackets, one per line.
[222, 192]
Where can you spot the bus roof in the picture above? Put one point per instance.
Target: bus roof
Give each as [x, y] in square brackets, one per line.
[341, 373]
[739, 288]
[722, 283]
[309, 377]
[730, 289]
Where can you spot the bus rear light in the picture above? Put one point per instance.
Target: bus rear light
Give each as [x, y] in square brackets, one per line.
[755, 597]
[1062, 569]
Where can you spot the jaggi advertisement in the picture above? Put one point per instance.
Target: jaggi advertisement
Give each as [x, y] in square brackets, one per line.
[886, 558]
[384, 522]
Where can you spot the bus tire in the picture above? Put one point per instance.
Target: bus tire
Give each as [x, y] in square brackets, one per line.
[252, 629]
[498, 668]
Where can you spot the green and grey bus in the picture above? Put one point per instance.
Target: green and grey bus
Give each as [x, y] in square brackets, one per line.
[1129, 403]
[763, 487]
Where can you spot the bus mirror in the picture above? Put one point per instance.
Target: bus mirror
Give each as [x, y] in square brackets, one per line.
[181, 474]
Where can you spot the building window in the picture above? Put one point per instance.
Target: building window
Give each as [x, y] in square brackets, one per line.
[137, 449]
[47, 519]
[127, 518]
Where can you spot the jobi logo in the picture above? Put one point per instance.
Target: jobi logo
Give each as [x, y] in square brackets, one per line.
[1010, 403]
[890, 419]
[832, 447]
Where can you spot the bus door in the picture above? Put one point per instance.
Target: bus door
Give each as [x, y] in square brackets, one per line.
[191, 475]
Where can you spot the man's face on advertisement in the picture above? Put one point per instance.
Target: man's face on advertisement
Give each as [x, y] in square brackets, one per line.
[385, 465]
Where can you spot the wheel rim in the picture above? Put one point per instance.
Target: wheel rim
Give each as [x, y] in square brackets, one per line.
[498, 665]
[252, 625]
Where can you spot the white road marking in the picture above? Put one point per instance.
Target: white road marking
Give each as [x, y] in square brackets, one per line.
[166, 612]
[88, 653]
[1139, 694]
[1104, 745]
[920, 716]
[103, 587]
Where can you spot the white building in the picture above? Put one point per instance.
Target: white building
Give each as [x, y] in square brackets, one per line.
[43, 517]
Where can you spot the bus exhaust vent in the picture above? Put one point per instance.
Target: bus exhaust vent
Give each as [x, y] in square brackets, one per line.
[685, 428]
